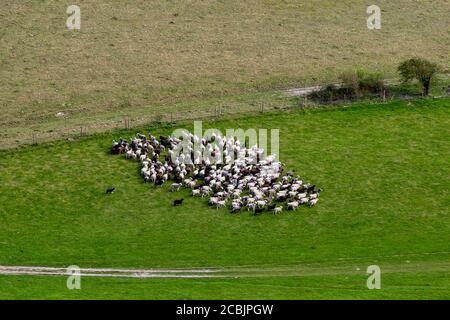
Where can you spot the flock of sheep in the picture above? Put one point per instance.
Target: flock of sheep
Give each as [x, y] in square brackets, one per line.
[219, 168]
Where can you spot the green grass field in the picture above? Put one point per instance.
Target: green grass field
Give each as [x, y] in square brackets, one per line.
[142, 59]
[383, 167]
[401, 285]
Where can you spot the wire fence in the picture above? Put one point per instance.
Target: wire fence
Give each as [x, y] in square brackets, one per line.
[129, 122]
[170, 117]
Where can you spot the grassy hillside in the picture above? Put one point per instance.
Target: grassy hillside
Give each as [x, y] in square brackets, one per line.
[384, 169]
[141, 57]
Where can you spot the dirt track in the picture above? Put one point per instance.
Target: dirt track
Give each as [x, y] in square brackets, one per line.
[111, 272]
[403, 263]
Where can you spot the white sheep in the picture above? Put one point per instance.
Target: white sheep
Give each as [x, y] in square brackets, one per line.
[277, 210]
[293, 205]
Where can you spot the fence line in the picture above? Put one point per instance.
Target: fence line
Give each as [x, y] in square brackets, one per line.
[170, 118]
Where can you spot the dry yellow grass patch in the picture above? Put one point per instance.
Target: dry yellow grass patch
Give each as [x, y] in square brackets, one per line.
[142, 55]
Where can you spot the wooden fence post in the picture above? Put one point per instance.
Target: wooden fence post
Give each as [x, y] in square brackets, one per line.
[125, 122]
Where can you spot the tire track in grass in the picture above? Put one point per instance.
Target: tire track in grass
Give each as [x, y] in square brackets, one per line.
[109, 272]
[233, 272]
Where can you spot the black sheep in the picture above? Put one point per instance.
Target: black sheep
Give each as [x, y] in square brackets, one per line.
[110, 190]
[258, 210]
[178, 202]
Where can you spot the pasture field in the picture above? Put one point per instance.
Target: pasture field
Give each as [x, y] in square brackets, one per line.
[347, 285]
[142, 58]
[383, 167]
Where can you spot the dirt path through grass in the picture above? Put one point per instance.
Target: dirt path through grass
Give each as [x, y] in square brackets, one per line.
[110, 272]
[343, 267]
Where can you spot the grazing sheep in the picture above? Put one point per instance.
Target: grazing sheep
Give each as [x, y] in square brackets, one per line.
[189, 183]
[235, 207]
[228, 171]
[213, 201]
[301, 195]
[221, 204]
[205, 192]
[281, 195]
[261, 203]
[304, 200]
[178, 202]
[293, 205]
[175, 187]
[277, 210]
[257, 210]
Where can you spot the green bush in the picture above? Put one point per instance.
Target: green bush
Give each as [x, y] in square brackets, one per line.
[372, 82]
[420, 69]
[331, 93]
[354, 84]
[362, 82]
[350, 82]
